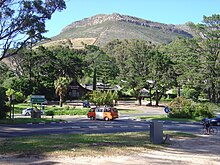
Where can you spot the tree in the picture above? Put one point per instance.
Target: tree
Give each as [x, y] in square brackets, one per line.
[103, 97]
[160, 73]
[186, 63]
[22, 20]
[5, 73]
[100, 65]
[37, 70]
[3, 108]
[61, 86]
[69, 62]
[211, 47]
[132, 59]
[209, 42]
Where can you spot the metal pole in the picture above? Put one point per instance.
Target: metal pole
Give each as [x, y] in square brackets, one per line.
[13, 110]
[10, 105]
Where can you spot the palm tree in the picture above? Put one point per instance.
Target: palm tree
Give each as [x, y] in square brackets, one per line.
[61, 86]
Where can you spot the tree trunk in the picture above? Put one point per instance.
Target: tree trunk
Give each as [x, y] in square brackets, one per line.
[213, 95]
[94, 80]
[139, 100]
[209, 95]
[150, 98]
[218, 97]
[157, 98]
[61, 102]
[178, 91]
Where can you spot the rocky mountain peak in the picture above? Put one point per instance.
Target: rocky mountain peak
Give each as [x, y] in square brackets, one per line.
[97, 19]
[103, 28]
[101, 18]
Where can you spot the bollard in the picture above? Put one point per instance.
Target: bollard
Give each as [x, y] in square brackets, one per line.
[156, 132]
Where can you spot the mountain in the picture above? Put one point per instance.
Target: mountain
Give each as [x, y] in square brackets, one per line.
[102, 28]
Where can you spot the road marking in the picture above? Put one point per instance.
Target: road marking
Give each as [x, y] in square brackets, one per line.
[93, 127]
[175, 122]
[75, 127]
[108, 126]
[138, 126]
[123, 126]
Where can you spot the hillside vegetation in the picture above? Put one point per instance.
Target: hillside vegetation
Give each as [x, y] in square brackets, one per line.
[101, 29]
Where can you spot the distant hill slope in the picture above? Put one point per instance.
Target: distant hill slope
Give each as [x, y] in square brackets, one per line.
[101, 29]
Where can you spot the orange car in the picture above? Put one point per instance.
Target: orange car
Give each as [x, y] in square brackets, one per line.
[105, 113]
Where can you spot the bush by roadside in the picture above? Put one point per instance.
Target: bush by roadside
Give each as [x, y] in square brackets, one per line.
[185, 108]
[56, 110]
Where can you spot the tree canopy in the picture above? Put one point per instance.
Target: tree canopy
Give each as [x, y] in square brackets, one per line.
[24, 20]
[191, 65]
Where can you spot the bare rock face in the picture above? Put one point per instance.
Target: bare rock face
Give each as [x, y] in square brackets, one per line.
[97, 19]
[101, 18]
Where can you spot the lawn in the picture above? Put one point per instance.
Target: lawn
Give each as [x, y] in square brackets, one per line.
[130, 111]
[81, 144]
[165, 118]
[29, 120]
[65, 110]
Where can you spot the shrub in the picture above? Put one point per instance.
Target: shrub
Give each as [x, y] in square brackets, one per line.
[184, 108]
[19, 97]
[181, 108]
[49, 113]
[204, 110]
[3, 108]
[103, 97]
[71, 111]
[190, 93]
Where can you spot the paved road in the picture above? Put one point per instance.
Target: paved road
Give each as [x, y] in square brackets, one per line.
[83, 125]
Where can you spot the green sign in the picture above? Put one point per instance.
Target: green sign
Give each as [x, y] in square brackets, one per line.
[38, 99]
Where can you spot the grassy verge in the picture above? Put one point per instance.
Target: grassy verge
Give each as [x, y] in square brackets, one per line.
[165, 118]
[80, 144]
[29, 120]
[130, 111]
[65, 110]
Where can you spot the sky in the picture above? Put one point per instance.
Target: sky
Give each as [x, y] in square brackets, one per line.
[163, 11]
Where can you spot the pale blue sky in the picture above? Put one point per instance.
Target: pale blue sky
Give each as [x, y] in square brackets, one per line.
[164, 11]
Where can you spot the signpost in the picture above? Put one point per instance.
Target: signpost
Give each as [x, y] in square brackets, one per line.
[12, 112]
[37, 99]
[166, 109]
[13, 109]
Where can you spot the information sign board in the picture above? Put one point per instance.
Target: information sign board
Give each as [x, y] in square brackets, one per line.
[38, 99]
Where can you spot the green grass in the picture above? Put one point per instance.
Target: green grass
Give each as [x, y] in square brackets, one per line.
[65, 110]
[80, 144]
[29, 120]
[164, 117]
[130, 111]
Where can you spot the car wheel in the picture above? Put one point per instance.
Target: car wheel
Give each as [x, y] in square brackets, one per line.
[218, 123]
[106, 119]
[27, 114]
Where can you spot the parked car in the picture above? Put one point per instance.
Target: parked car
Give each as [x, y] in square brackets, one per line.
[215, 121]
[103, 113]
[86, 104]
[27, 111]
